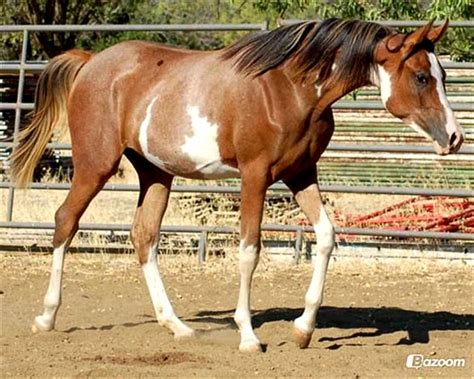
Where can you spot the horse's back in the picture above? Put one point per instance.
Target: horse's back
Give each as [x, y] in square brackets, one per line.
[126, 57]
[149, 97]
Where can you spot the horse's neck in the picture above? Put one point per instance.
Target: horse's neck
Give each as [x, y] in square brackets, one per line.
[331, 92]
[321, 95]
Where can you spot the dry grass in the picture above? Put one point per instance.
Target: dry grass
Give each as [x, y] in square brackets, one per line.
[127, 264]
[184, 209]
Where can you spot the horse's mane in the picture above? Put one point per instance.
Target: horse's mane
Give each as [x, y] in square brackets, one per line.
[313, 46]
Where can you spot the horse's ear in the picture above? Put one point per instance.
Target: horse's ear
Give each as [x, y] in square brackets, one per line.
[434, 35]
[415, 38]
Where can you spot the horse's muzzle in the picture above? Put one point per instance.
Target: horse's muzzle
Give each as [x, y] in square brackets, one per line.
[455, 142]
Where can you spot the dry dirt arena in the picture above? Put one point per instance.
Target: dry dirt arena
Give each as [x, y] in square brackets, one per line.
[375, 313]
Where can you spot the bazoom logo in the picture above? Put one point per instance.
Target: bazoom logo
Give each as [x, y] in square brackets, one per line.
[418, 361]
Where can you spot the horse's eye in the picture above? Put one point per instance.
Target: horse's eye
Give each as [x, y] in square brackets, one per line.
[421, 79]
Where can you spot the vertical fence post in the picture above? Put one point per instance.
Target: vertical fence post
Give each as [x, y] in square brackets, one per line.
[308, 251]
[202, 247]
[298, 245]
[16, 128]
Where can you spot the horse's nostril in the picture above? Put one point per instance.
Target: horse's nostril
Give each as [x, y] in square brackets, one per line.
[453, 139]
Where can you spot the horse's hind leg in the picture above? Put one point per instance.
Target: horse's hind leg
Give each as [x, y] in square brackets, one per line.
[85, 185]
[154, 194]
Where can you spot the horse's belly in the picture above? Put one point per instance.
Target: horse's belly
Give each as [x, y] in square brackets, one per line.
[194, 154]
[210, 169]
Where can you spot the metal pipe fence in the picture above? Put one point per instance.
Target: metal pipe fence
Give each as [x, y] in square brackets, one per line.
[25, 66]
[203, 232]
[341, 104]
[405, 23]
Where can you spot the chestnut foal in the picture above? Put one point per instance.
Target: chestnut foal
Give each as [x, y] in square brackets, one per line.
[259, 110]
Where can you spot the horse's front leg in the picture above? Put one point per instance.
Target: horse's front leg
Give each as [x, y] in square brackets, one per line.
[154, 194]
[306, 191]
[252, 197]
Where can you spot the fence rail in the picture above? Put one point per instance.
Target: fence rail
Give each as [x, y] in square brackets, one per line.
[24, 66]
[341, 104]
[406, 23]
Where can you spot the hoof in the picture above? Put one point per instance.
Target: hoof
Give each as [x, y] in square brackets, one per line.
[185, 334]
[302, 339]
[40, 325]
[250, 347]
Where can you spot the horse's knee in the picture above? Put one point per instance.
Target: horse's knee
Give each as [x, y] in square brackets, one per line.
[248, 255]
[325, 234]
[143, 241]
[60, 215]
[64, 226]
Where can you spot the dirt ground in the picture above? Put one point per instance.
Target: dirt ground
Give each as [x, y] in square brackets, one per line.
[375, 314]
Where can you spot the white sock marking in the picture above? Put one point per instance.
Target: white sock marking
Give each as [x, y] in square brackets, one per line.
[452, 124]
[314, 296]
[163, 308]
[248, 260]
[52, 299]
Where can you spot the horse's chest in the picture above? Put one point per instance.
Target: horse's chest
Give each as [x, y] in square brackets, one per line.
[189, 148]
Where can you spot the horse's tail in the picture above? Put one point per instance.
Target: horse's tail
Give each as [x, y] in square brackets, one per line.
[49, 113]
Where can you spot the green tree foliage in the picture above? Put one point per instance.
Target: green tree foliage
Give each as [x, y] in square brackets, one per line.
[457, 43]
[45, 12]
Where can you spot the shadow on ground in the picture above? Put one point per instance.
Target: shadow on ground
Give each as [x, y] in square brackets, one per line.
[416, 324]
[383, 320]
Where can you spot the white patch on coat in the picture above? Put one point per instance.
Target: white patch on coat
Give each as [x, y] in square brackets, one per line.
[452, 125]
[385, 84]
[319, 90]
[202, 147]
[143, 136]
[374, 77]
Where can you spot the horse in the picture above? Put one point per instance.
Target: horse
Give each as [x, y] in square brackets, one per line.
[259, 109]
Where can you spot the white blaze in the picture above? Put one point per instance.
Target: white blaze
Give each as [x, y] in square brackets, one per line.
[451, 122]
[383, 80]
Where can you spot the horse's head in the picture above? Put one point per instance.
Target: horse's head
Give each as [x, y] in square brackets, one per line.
[411, 82]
